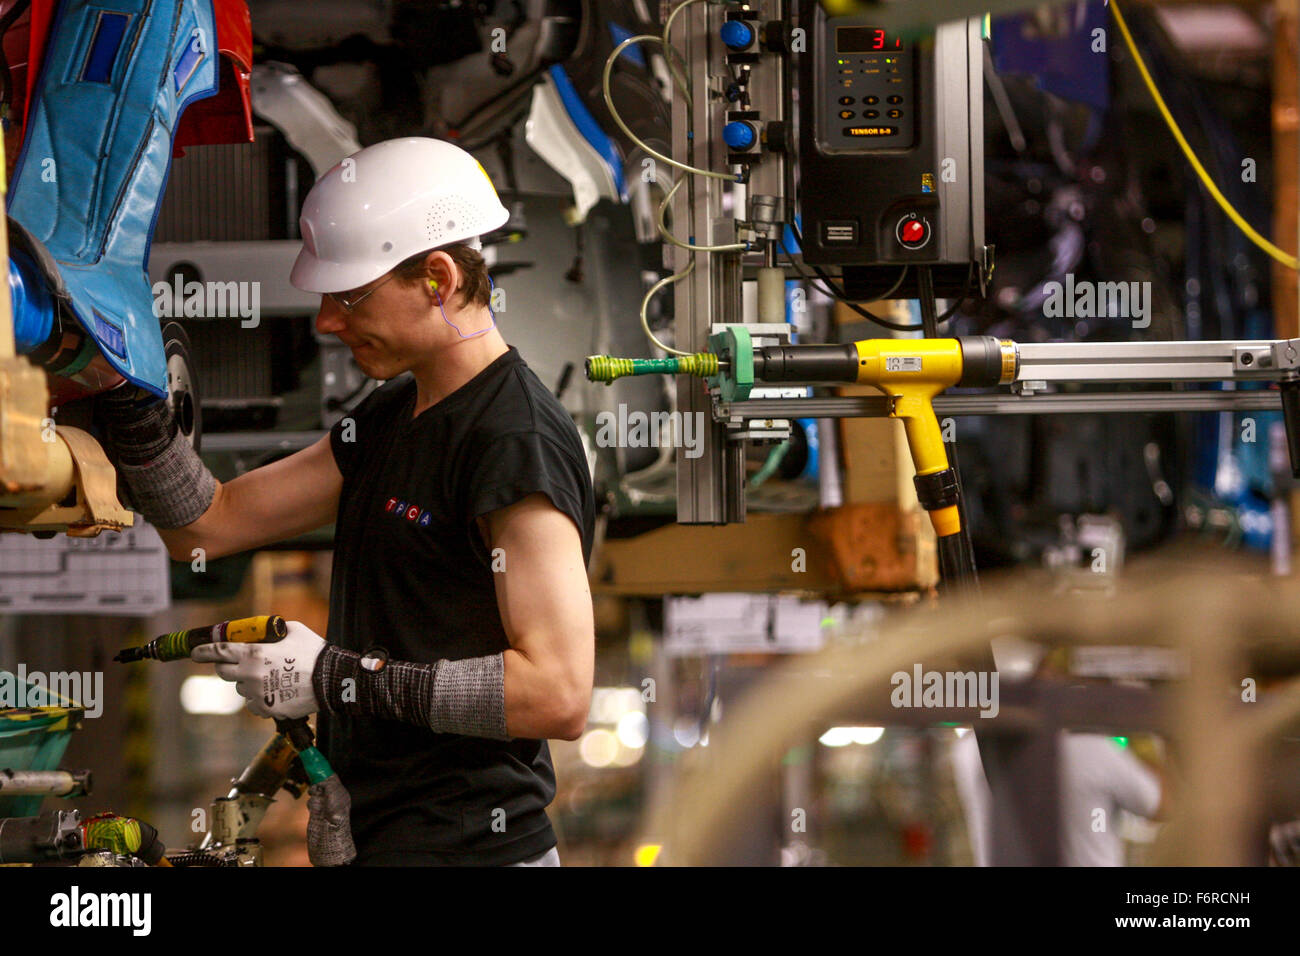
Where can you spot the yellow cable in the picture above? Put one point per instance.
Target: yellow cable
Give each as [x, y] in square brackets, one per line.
[1280, 255]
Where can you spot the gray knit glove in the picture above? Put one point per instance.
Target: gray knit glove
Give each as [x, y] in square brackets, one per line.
[329, 826]
[167, 481]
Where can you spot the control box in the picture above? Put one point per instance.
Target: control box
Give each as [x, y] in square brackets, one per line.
[891, 153]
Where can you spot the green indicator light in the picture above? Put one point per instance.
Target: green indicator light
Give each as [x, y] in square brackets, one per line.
[1122, 741]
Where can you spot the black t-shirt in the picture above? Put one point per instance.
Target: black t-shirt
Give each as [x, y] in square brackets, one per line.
[412, 574]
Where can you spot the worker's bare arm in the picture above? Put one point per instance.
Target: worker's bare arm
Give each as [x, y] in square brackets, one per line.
[545, 605]
[537, 688]
[277, 501]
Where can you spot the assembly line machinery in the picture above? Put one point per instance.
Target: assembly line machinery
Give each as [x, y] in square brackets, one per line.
[848, 140]
[851, 135]
[807, 135]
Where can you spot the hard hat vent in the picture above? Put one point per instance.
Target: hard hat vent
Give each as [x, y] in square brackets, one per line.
[445, 216]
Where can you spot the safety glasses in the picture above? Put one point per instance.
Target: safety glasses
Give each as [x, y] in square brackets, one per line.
[347, 305]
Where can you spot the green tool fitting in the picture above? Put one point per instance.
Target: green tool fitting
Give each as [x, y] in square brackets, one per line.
[606, 368]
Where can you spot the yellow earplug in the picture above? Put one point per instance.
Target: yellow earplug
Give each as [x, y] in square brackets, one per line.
[433, 283]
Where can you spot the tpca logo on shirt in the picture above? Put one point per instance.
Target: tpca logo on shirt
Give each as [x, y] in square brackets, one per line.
[409, 511]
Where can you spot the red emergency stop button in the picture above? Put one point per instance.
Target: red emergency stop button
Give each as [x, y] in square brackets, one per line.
[913, 232]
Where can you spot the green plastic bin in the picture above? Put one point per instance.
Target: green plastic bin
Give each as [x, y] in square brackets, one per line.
[34, 738]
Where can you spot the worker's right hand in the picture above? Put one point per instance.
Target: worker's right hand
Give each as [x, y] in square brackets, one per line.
[275, 678]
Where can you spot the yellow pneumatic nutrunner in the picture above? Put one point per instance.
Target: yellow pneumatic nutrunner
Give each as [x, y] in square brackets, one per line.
[910, 372]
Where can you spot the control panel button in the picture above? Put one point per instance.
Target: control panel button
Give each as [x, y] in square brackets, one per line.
[871, 100]
[737, 34]
[913, 231]
[895, 114]
[871, 114]
[846, 114]
[847, 101]
[895, 99]
[739, 135]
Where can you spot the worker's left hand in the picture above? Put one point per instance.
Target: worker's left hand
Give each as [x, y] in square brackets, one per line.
[275, 678]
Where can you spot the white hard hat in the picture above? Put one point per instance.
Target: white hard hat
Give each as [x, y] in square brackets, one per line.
[387, 203]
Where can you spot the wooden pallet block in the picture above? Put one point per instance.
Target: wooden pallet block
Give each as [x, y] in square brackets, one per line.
[878, 541]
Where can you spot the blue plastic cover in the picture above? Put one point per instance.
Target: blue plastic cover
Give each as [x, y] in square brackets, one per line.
[633, 52]
[99, 146]
[589, 128]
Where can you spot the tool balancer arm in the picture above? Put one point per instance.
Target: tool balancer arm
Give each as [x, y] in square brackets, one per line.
[451, 697]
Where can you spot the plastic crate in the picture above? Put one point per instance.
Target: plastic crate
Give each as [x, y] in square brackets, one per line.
[34, 738]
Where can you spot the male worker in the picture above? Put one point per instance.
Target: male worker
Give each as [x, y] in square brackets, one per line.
[460, 628]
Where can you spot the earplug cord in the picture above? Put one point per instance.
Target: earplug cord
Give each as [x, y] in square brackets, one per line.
[433, 284]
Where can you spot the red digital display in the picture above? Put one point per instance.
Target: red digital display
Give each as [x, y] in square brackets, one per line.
[866, 40]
